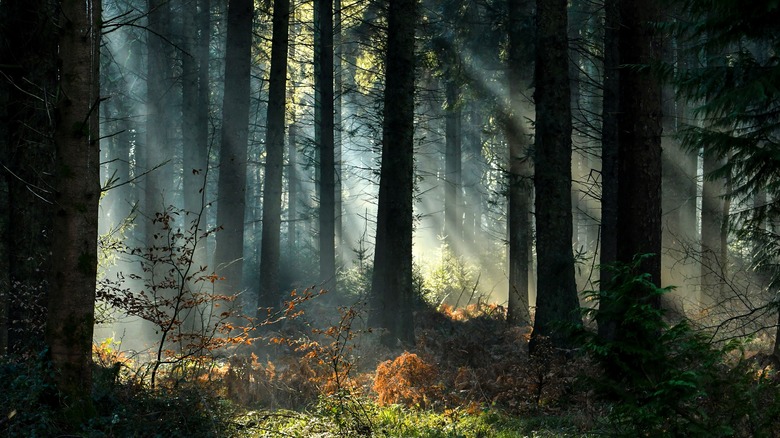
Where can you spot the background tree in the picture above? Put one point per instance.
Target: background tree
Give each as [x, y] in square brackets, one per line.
[272, 189]
[229, 250]
[327, 182]
[556, 299]
[391, 283]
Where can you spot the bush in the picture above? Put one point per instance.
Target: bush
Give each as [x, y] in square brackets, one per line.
[664, 380]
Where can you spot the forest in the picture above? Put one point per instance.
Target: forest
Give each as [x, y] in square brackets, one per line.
[389, 218]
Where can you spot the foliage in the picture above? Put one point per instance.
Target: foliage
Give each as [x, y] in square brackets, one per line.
[733, 83]
[398, 421]
[679, 383]
[407, 380]
[451, 279]
[28, 396]
[176, 296]
[29, 405]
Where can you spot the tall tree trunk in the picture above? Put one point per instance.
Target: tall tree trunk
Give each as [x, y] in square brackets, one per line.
[472, 177]
[639, 166]
[556, 299]
[231, 187]
[274, 161]
[520, 176]
[28, 50]
[609, 157]
[292, 161]
[327, 180]
[195, 104]
[711, 222]
[639, 121]
[338, 91]
[391, 284]
[71, 304]
[453, 221]
[159, 151]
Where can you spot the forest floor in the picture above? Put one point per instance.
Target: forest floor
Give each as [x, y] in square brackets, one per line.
[469, 375]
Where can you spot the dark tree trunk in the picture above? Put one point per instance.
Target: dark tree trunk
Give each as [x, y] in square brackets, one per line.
[327, 180]
[159, 151]
[71, 304]
[195, 105]
[556, 300]
[292, 164]
[391, 284]
[453, 221]
[520, 176]
[231, 187]
[28, 50]
[609, 156]
[338, 91]
[274, 161]
[639, 130]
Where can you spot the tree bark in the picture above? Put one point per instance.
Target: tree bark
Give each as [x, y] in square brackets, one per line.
[609, 156]
[453, 220]
[391, 284]
[28, 50]
[556, 300]
[326, 146]
[70, 318]
[274, 161]
[639, 130]
[159, 151]
[520, 176]
[231, 187]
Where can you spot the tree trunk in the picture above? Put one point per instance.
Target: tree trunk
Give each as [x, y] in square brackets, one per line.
[231, 187]
[338, 91]
[520, 177]
[453, 221]
[714, 232]
[609, 157]
[639, 130]
[159, 151]
[274, 161]
[556, 299]
[195, 106]
[391, 284]
[77, 183]
[327, 180]
[28, 50]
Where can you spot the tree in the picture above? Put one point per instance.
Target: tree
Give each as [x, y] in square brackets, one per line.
[391, 284]
[453, 168]
[638, 214]
[609, 155]
[556, 300]
[272, 189]
[740, 137]
[28, 49]
[158, 147]
[231, 189]
[325, 142]
[195, 102]
[639, 138]
[71, 303]
[520, 175]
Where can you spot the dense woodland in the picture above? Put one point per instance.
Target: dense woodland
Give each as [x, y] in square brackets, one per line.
[389, 218]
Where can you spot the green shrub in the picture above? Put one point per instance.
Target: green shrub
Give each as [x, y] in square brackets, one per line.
[672, 380]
